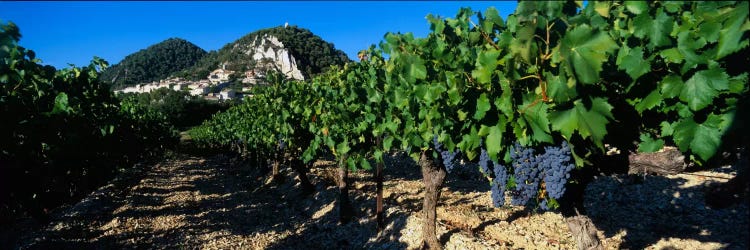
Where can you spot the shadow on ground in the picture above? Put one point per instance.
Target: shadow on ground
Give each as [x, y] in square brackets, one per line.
[216, 202]
[653, 208]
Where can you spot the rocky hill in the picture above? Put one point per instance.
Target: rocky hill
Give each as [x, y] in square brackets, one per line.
[294, 51]
[156, 62]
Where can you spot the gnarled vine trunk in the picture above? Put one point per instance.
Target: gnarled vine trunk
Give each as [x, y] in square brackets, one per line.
[275, 173]
[379, 215]
[346, 211]
[433, 175]
[299, 166]
[584, 232]
[581, 227]
[275, 176]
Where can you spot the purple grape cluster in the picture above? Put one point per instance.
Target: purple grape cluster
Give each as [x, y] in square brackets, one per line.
[556, 165]
[499, 180]
[498, 185]
[530, 170]
[527, 174]
[447, 156]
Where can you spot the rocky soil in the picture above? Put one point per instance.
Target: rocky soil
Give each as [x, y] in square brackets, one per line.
[220, 203]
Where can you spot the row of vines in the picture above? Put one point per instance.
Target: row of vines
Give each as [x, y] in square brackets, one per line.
[529, 97]
[63, 132]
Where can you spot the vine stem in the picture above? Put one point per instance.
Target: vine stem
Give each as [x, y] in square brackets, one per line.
[529, 76]
[486, 37]
[471, 80]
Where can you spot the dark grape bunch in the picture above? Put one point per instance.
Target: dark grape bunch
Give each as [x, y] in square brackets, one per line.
[447, 156]
[499, 180]
[498, 185]
[557, 166]
[526, 173]
[530, 170]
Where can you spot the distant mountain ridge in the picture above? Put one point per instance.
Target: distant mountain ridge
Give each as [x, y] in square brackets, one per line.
[153, 63]
[309, 53]
[291, 50]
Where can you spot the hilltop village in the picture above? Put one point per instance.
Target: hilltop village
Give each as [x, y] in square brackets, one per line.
[216, 86]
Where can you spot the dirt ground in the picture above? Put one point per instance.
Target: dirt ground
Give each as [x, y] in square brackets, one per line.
[219, 202]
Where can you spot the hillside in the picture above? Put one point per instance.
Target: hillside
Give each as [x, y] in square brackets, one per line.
[156, 62]
[280, 48]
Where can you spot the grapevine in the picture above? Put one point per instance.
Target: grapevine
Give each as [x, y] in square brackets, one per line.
[531, 96]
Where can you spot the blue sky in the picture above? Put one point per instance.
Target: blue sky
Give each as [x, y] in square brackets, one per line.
[75, 32]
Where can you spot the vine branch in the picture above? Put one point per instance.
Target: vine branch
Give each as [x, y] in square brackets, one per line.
[486, 37]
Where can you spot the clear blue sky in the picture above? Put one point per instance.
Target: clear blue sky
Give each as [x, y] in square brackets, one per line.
[75, 32]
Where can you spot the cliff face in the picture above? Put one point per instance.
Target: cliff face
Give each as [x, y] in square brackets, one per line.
[269, 53]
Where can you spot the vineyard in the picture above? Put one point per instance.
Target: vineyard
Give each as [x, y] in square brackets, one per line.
[529, 107]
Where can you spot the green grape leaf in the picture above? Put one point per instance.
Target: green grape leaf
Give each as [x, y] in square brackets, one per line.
[343, 148]
[504, 102]
[672, 6]
[483, 105]
[650, 145]
[469, 142]
[523, 44]
[710, 31]
[671, 86]
[421, 92]
[436, 24]
[560, 90]
[415, 68]
[672, 55]
[494, 141]
[536, 117]
[602, 8]
[700, 90]
[61, 104]
[388, 143]
[365, 164]
[551, 9]
[631, 60]
[702, 139]
[655, 30]
[351, 163]
[492, 15]
[584, 52]
[589, 122]
[636, 7]
[688, 47]
[737, 84]
[378, 155]
[461, 115]
[652, 100]
[454, 96]
[484, 130]
[485, 65]
[666, 128]
[734, 29]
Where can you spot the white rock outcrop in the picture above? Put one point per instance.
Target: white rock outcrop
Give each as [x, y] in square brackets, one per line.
[276, 56]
